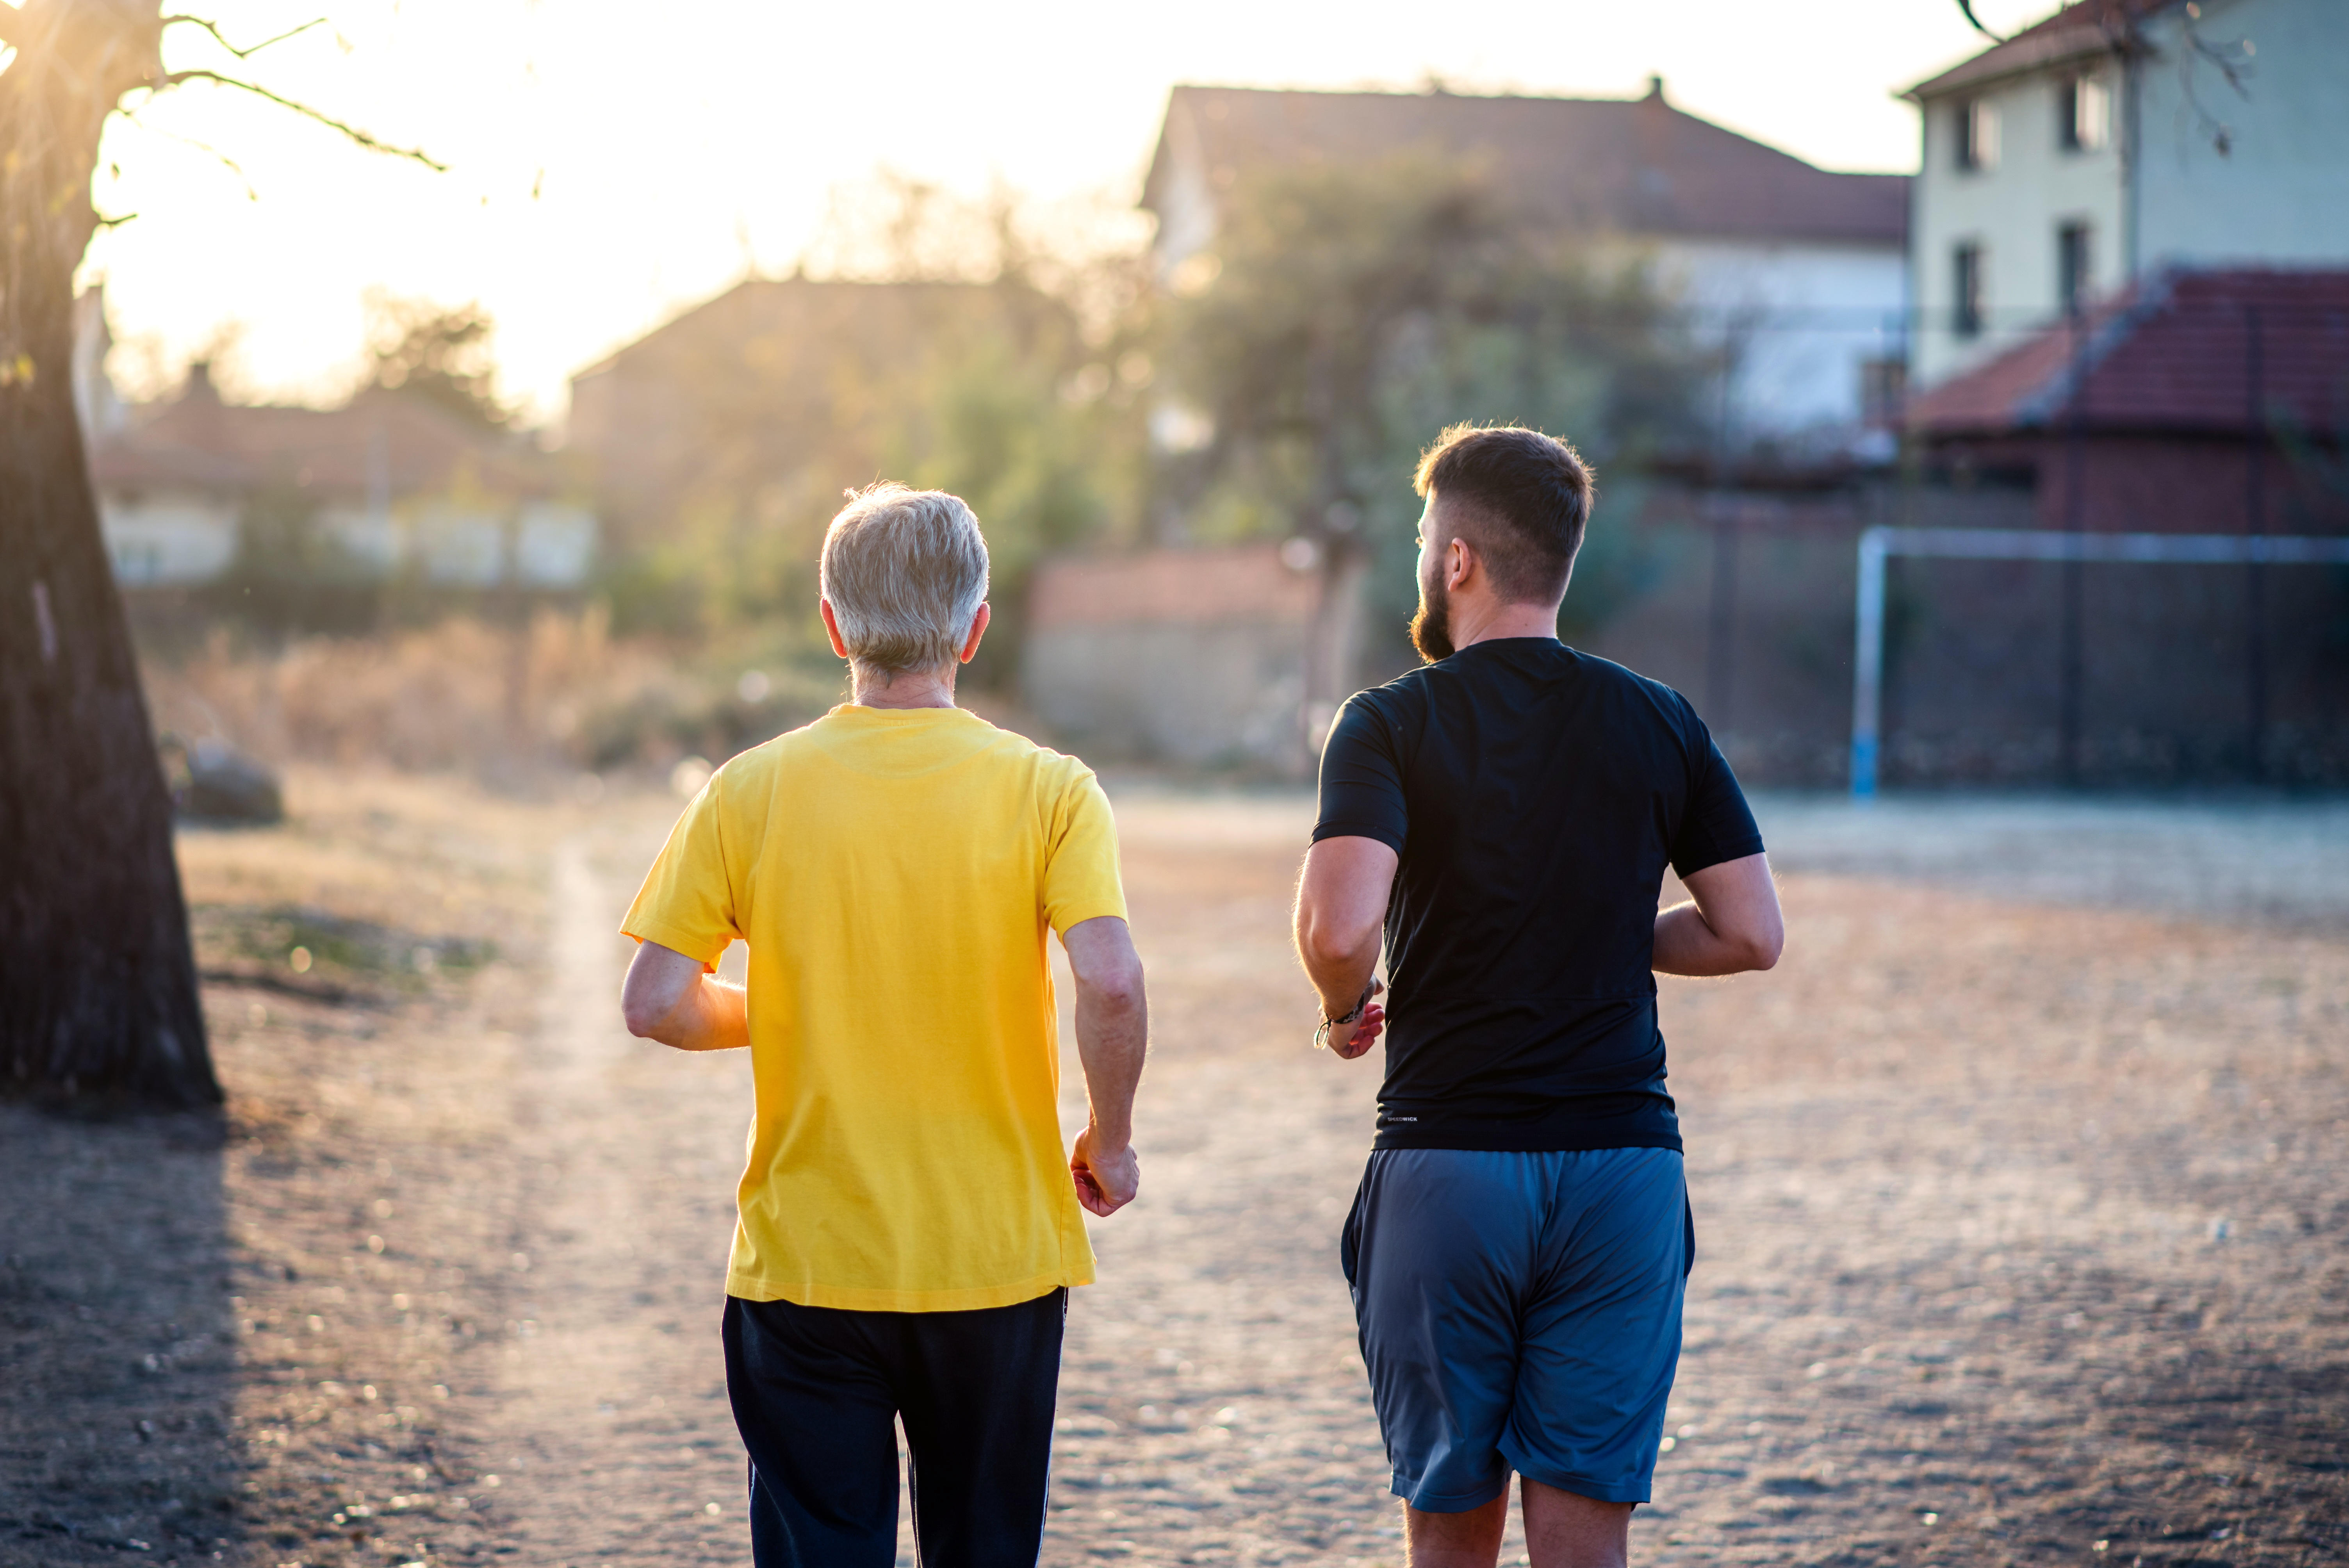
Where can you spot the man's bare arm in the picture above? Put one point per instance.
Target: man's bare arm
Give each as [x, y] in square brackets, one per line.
[671, 998]
[1112, 1038]
[1341, 911]
[1731, 924]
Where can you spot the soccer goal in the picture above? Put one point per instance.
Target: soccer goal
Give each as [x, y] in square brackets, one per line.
[1879, 544]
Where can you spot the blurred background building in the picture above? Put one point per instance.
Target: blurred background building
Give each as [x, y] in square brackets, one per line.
[322, 513]
[2114, 139]
[2113, 297]
[1795, 275]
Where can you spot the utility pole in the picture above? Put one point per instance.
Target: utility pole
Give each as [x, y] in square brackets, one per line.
[1721, 633]
[2072, 672]
[2255, 524]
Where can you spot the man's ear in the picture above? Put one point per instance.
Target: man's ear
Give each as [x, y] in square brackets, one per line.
[1459, 561]
[832, 628]
[978, 630]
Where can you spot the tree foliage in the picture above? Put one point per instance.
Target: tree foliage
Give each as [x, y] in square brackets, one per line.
[438, 352]
[979, 369]
[1347, 315]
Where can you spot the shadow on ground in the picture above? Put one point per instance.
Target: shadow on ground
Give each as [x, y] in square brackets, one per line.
[117, 1339]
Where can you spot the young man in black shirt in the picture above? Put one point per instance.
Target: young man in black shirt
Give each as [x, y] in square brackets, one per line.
[1502, 819]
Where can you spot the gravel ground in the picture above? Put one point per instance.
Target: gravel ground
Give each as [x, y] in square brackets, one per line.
[2020, 1194]
[2250, 857]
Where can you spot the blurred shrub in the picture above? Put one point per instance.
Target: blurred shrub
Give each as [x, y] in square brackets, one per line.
[289, 575]
[946, 349]
[465, 695]
[707, 716]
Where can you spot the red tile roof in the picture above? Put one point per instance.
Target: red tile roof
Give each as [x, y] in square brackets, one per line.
[2170, 355]
[2083, 28]
[198, 442]
[1626, 165]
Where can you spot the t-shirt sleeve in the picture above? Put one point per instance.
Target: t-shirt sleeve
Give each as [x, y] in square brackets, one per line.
[687, 904]
[1080, 874]
[1716, 824]
[1361, 778]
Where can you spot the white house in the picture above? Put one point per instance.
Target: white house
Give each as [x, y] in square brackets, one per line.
[392, 485]
[1803, 270]
[2115, 138]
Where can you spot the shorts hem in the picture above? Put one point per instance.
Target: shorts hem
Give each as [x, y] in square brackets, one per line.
[1583, 1485]
[1443, 1503]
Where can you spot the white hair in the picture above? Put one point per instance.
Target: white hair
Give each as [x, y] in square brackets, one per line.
[905, 571]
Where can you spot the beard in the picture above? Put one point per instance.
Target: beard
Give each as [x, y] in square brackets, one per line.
[1430, 624]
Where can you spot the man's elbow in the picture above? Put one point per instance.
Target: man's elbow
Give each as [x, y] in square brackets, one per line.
[1128, 990]
[1763, 948]
[1116, 987]
[642, 1014]
[1323, 947]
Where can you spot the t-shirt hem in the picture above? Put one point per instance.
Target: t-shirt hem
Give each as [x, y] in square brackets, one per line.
[1727, 853]
[974, 1298]
[1343, 829]
[676, 939]
[1077, 914]
[1502, 1141]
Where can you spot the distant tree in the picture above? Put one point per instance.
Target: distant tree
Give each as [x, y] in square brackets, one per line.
[1346, 314]
[436, 352]
[969, 356]
[98, 984]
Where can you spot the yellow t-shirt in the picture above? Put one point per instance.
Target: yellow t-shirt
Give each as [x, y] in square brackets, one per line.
[893, 873]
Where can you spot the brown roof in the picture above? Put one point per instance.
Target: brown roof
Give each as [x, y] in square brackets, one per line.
[2080, 29]
[1239, 583]
[199, 442]
[765, 313]
[2170, 355]
[1626, 165]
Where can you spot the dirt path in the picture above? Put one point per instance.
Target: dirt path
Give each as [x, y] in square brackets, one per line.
[2024, 1227]
[608, 1419]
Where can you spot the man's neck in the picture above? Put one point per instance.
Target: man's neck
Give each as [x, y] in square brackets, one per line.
[903, 688]
[1489, 623]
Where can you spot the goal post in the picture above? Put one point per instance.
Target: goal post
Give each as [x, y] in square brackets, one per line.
[1879, 544]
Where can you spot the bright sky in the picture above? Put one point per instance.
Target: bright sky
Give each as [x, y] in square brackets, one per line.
[611, 164]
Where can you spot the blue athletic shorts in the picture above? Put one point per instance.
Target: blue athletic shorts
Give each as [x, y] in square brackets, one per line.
[1520, 1311]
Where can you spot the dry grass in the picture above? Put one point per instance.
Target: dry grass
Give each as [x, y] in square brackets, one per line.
[463, 695]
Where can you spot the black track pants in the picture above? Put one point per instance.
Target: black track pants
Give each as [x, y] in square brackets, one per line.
[816, 1390]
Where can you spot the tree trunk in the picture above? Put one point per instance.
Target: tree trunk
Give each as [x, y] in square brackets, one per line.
[98, 984]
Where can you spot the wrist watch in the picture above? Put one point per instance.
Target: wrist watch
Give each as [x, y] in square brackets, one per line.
[1321, 1034]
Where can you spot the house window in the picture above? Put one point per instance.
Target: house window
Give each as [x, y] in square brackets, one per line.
[1977, 134]
[2072, 260]
[1966, 319]
[2083, 114]
[1883, 384]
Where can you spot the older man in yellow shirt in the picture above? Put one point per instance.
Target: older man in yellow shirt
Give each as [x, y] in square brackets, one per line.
[909, 1222]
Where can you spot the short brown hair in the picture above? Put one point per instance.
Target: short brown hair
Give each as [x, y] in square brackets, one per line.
[1523, 500]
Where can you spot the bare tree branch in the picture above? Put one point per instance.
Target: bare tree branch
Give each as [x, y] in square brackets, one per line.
[2221, 134]
[106, 223]
[1967, 6]
[364, 138]
[221, 39]
[229, 163]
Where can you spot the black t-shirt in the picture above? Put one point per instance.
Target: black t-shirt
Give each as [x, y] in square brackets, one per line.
[1534, 796]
